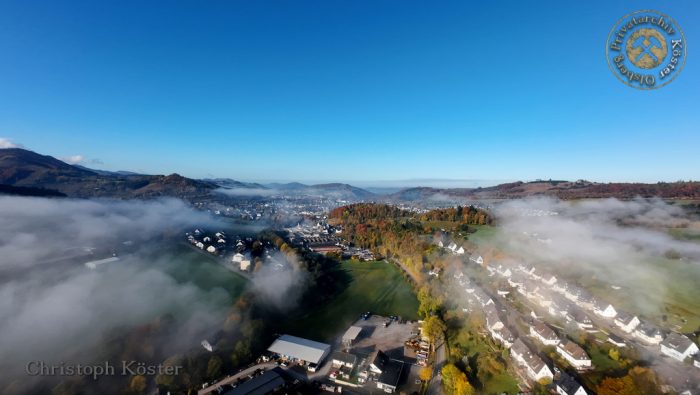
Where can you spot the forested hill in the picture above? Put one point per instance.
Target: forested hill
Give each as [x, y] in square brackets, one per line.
[407, 236]
[367, 212]
[580, 189]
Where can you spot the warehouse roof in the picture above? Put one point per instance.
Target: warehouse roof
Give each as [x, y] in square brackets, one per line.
[299, 348]
[352, 333]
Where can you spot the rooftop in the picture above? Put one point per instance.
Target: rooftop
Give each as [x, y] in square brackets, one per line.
[299, 348]
[677, 342]
[352, 333]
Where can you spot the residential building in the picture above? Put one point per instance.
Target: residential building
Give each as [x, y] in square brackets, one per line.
[343, 359]
[574, 354]
[648, 333]
[567, 385]
[542, 332]
[678, 346]
[605, 310]
[626, 322]
[533, 364]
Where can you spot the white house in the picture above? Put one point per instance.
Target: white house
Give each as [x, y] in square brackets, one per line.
[211, 249]
[504, 335]
[452, 246]
[678, 346]
[200, 245]
[477, 259]
[567, 385]
[460, 251]
[238, 257]
[649, 333]
[540, 331]
[503, 271]
[245, 265]
[605, 310]
[626, 322]
[343, 359]
[536, 368]
[574, 354]
[549, 280]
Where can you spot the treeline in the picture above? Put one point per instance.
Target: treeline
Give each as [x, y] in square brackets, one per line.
[464, 215]
[363, 212]
[408, 237]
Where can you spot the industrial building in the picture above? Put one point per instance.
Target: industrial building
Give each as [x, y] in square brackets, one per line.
[297, 349]
[351, 335]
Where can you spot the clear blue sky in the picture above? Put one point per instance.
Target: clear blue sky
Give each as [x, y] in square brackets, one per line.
[344, 90]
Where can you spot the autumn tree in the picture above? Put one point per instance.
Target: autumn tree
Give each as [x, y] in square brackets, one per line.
[455, 381]
[137, 384]
[434, 328]
[425, 373]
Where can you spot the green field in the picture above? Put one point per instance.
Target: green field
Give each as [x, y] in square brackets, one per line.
[204, 272]
[378, 287]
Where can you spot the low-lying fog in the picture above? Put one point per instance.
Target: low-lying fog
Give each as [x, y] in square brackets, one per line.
[53, 309]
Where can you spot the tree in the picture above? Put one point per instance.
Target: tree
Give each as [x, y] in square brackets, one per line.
[214, 367]
[425, 373]
[455, 381]
[137, 384]
[618, 386]
[434, 328]
[428, 302]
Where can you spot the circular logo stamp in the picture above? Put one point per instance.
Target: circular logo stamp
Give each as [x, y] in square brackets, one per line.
[646, 49]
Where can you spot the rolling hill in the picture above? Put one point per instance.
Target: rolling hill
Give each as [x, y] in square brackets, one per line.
[23, 168]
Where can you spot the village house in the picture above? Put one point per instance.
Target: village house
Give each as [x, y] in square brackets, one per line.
[648, 333]
[388, 371]
[342, 359]
[678, 346]
[237, 258]
[626, 322]
[245, 265]
[542, 332]
[477, 259]
[581, 319]
[493, 321]
[549, 280]
[535, 367]
[503, 335]
[503, 271]
[567, 385]
[616, 340]
[574, 354]
[560, 287]
[560, 307]
[516, 281]
[586, 300]
[605, 310]
[211, 249]
[200, 245]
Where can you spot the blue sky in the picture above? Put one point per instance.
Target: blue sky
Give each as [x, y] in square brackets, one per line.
[356, 91]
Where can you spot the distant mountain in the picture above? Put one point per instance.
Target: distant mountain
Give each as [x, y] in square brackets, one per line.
[23, 168]
[229, 183]
[562, 189]
[330, 190]
[340, 191]
[291, 186]
[109, 173]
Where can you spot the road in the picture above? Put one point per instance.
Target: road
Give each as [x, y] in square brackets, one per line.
[435, 386]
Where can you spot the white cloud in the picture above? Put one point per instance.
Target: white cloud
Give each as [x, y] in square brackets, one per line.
[74, 159]
[6, 143]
